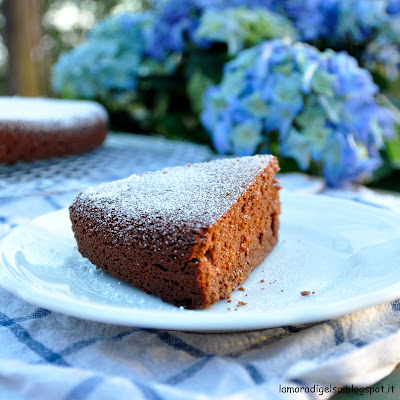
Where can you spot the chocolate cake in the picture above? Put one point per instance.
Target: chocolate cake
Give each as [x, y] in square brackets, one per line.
[37, 128]
[189, 235]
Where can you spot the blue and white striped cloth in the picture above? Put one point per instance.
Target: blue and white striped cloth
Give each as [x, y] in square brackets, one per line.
[47, 355]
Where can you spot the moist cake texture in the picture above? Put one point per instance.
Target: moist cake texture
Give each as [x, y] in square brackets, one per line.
[189, 235]
[37, 128]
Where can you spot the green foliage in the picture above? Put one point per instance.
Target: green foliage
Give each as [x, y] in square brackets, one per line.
[393, 150]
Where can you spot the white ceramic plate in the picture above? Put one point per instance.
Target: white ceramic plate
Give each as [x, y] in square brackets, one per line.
[345, 252]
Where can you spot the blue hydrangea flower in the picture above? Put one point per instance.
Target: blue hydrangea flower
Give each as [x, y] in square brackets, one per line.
[313, 18]
[372, 27]
[240, 27]
[177, 22]
[319, 105]
[106, 67]
[246, 137]
[338, 20]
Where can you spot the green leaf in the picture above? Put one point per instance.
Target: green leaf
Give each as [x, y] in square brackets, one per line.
[385, 101]
[393, 151]
[196, 86]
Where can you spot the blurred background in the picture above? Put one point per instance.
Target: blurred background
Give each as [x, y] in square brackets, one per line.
[172, 72]
[33, 33]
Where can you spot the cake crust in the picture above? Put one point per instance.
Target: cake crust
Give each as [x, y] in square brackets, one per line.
[189, 234]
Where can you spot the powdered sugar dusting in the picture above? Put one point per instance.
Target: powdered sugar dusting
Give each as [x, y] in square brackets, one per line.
[48, 114]
[194, 196]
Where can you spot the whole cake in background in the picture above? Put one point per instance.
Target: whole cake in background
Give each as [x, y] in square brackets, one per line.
[37, 128]
[190, 234]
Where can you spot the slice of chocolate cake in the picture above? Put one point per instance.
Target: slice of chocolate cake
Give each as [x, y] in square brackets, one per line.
[188, 234]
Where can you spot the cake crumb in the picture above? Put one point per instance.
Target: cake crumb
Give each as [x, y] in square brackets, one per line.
[229, 301]
[262, 281]
[241, 303]
[242, 289]
[228, 193]
[305, 293]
